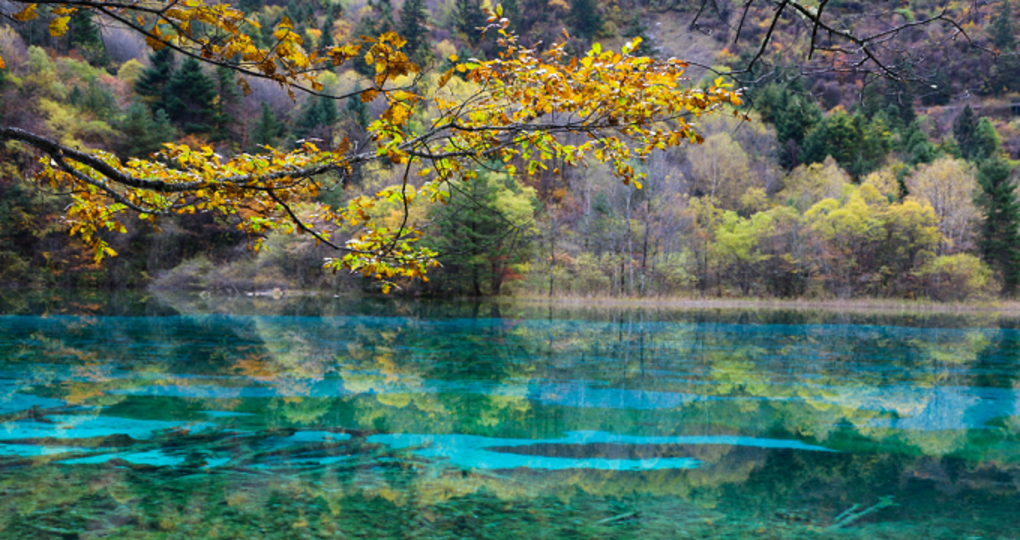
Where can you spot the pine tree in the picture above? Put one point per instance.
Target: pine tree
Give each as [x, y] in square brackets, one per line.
[1002, 30]
[327, 40]
[267, 130]
[192, 99]
[84, 36]
[468, 18]
[638, 28]
[153, 81]
[586, 18]
[986, 142]
[358, 110]
[414, 28]
[1000, 231]
[512, 11]
[318, 118]
[964, 128]
[143, 133]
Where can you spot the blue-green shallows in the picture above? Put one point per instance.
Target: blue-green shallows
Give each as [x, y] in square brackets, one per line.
[684, 425]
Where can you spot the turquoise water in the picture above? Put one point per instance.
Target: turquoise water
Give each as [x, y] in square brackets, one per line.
[294, 420]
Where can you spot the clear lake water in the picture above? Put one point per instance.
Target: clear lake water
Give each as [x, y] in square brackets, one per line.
[136, 417]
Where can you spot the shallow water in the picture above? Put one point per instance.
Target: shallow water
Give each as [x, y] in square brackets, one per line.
[349, 420]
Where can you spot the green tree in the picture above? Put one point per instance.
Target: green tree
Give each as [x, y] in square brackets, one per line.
[318, 118]
[483, 231]
[267, 130]
[1000, 230]
[84, 36]
[192, 100]
[964, 128]
[143, 133]
[857, 144]
[468, 17]
[1002, 30]
[414, 18]
[153, 82]
[586, 18]
[986, 142]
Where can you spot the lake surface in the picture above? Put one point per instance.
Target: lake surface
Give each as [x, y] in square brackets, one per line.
[240, 418]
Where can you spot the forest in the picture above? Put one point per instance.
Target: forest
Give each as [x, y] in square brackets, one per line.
[819, 181]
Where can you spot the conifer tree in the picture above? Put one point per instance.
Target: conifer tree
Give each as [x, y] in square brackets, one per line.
[84, 36]
[358, 110]
[468, 18]
[267, 130]
[986, 143]
[1000, 231]
[143, 133]
[586, 18]
[192, 99]
[153, 81]
[638, 28]
[964, 128]
[414, 28]
[1002, 30]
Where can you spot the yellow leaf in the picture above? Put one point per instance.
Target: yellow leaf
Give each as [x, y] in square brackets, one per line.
[26, 14]
[2, 64]
[58, 26]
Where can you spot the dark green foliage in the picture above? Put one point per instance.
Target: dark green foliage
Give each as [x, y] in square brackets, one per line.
[793, 115]
[84, 36]
[193, 100]
[142, 132]
[468, 18]
[268, 130]
[586, 19]
[153, 82]
[357, 110]
[638, 28]
[318, 118]
[1002, 29]
[414, 28]
[1000, 231]
[327, 40]
[475, 235]
[512, 11]
[964, 128]
[97, 100]
[857, 144]
[915, 145]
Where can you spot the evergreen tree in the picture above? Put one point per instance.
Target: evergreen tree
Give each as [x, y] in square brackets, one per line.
[358, 110]
[152, 83]
[468, 18]
[83, 35]
[414, 28]
[327, 40]
[192, 99]
[586, 18]
[1000, 231]
[142, 132]
[638, 28]
[986, 143]
[1002, 30]
[964, 128]
[267, 130]
[512, 11]
[857, 144]
[318, 119]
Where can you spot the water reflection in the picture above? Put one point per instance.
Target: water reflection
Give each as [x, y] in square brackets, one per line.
[424, 425]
